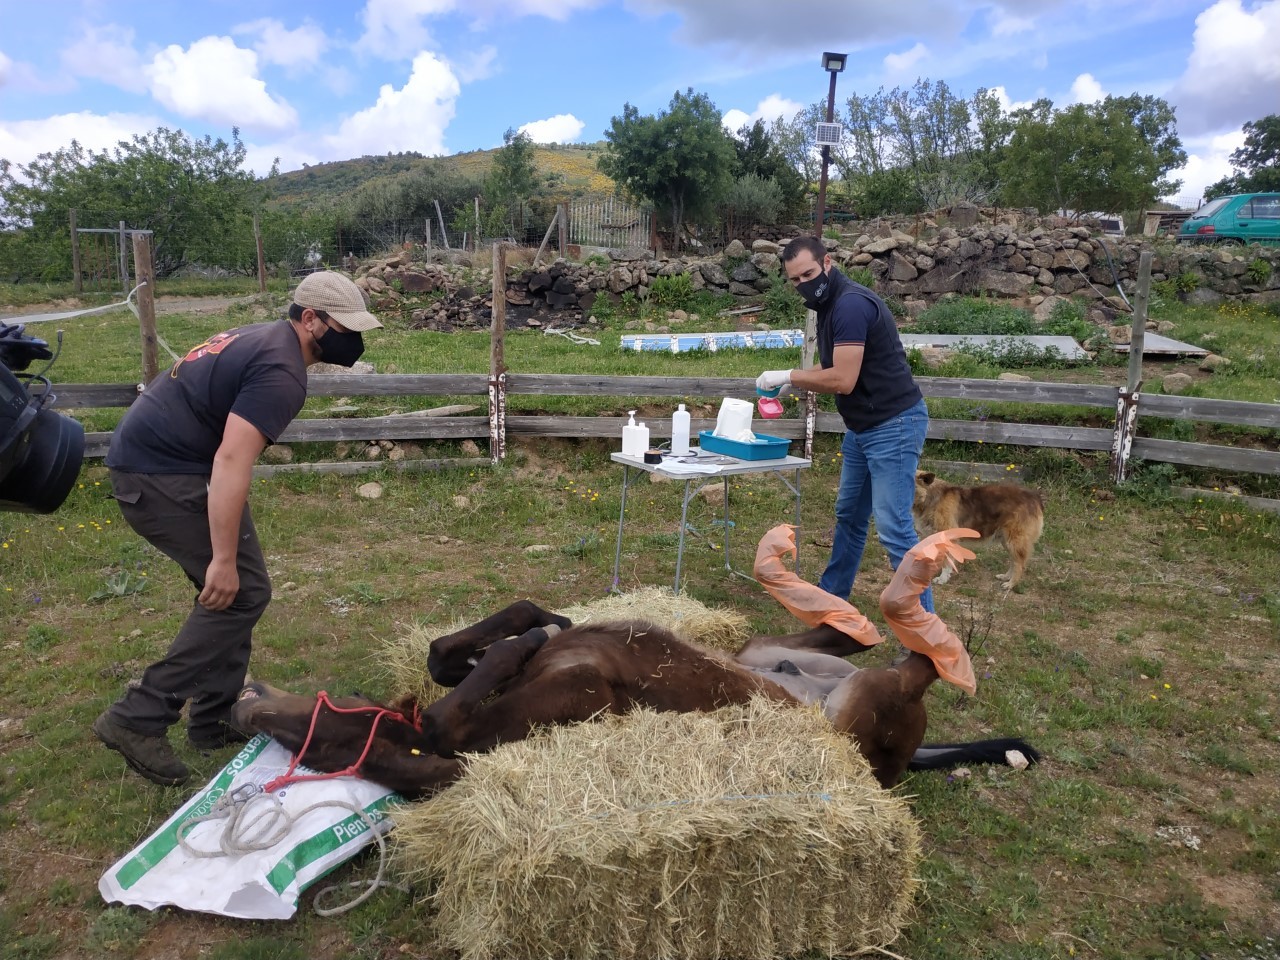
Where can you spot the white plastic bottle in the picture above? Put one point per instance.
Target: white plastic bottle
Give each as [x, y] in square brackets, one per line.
[633, 442]
[644, 441]
[680, 432]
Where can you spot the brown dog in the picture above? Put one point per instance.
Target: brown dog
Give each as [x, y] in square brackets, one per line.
[1013, 513]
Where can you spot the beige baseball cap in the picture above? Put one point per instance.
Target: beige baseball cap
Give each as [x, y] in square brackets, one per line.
[337, 296]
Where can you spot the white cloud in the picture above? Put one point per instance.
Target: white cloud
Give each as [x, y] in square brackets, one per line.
[216, 81]
[1086, 89]
[6, 66]
[21, 141]
[393, 28]
[1208, 161]
[106, 53]
[562, 128]
[1005, 24]
[1007, 105]
[897, 63]
[1233, 72]
[771, 108]
[298, 49]
[411, 118]
[476, 65]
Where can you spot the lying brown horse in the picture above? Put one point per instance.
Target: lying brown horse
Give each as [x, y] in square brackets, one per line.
[524, 667]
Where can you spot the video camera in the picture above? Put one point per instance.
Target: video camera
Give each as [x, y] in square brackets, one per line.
[40, 450]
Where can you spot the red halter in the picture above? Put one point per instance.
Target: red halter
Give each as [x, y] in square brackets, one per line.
[322, 699]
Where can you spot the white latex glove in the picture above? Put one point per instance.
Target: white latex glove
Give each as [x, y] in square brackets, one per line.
[773, 379]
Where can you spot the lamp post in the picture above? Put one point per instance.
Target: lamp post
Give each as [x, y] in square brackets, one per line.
[828, 132]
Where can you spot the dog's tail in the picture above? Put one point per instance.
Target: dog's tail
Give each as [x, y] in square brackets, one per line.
[943, 756]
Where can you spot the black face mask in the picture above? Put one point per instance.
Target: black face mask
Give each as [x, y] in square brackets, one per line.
[814, 291]
[344, 349]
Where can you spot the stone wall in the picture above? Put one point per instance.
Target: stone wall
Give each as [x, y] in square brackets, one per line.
[981, 252]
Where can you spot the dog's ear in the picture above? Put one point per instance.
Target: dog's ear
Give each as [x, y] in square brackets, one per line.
[926, 477]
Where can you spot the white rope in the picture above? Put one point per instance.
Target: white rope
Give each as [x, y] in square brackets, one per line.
[572, 337]
[48, 317]
[249, 828]
[138, 316]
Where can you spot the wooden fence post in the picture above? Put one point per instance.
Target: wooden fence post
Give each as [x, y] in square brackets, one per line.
[124, 258]
[146, 303]
[563, 211]
[475, 244]
[807, 353]
[444, 234]
[555, 217]
[1127, 398]
[75, 254]
[262, 266]
[497, 359]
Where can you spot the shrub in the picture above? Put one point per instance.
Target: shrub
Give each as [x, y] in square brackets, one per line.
[1258, 271]
[754, 199]
[782, 305]
[968, 315]
[671, 292]
[862, 275]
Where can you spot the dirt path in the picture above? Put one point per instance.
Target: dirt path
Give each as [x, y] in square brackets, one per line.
[164, 306]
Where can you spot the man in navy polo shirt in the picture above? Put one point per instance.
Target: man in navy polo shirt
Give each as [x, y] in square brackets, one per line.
[861, 361]
[181, 461]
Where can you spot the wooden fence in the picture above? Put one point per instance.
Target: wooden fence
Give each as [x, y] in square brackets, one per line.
[522, 427]
[608, 222]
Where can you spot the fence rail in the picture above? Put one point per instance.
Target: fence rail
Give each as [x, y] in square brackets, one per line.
[609, 222]
[988, 431]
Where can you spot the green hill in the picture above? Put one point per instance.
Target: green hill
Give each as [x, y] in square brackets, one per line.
[568, 171]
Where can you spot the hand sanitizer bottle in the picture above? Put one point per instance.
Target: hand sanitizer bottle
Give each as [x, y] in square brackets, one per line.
[680, 432]
[633, 444]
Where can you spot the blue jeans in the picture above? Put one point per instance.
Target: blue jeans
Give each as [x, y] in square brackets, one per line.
[878, 478]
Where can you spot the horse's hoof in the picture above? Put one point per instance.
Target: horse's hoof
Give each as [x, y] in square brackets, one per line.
[786, 666]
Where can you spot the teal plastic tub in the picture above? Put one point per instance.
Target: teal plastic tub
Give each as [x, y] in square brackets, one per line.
[764, 448]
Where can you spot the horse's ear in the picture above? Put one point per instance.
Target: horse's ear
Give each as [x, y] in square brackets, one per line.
[405, 704]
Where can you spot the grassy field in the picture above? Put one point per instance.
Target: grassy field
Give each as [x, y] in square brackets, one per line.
[1140, 655]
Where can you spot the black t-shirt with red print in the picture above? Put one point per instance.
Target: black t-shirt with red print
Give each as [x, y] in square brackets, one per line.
[176, 426]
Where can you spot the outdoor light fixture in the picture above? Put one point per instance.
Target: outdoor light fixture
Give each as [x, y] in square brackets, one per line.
[829, 133]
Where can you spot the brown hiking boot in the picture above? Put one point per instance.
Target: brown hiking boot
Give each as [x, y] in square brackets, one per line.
[149, 756]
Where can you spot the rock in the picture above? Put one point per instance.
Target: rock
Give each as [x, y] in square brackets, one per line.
[535, 548]
[735, 249]
[881, 246]
[278, 453]
[1005, 283]
[1119, 333]
[369, 491]
[745, 273]
[12, 728]
[1070, 259]
[1014, 377]
[468, 448]
[1176, 383]
[765, 246]
[1165, 326]
[372, 452]
[414, 282]
[766, 263]
[1214, 362]
[461, 501]
[900, 268]
[330, 369]
[1044, 310]
[713, 273]
[964, 215]
[1203, 295]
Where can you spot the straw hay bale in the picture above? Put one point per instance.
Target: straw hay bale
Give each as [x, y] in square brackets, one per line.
[405, 658]
[752, 832]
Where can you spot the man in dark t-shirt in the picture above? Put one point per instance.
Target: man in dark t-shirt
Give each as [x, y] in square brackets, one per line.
[862, 362]
[181, 461]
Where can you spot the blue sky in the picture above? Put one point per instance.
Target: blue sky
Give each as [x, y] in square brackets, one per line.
[323, 81]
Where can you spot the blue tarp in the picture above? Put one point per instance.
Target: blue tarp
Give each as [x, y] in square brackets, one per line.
[729, 340]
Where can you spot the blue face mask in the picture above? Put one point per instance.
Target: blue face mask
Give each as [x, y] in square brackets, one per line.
[338, 347]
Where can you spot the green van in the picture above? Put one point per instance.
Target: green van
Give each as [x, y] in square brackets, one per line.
[1242, 218]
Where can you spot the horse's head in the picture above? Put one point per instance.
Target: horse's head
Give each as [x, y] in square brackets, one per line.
[382, 744]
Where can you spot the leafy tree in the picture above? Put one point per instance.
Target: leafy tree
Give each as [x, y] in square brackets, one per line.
[192, 194]
[763, 158]
[754, 199]
[512, 180]
[1089, 157]
[680, 160]
[1257, 162]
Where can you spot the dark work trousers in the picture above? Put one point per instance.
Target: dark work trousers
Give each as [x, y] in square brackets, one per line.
[207, 660]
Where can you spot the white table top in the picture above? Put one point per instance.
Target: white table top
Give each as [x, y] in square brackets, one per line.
[728, 466]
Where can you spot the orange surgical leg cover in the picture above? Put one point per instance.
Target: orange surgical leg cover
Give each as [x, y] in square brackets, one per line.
[804, 601]
[916, 627]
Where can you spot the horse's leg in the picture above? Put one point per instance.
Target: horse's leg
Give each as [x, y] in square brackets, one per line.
[448, 723]
[883, 710]
[454, 655]
[822, 639]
